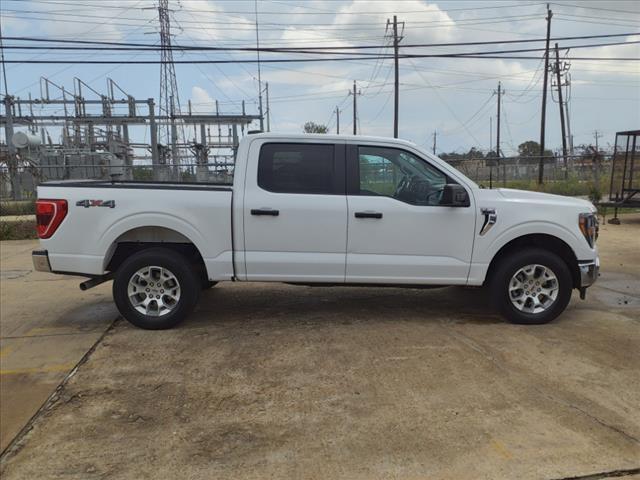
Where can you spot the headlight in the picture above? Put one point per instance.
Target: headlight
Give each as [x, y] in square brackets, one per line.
[589, 227]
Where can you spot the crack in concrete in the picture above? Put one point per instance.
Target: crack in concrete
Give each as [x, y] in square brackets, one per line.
[605, 424]
[601, 475]
[18, 441]
[44, 335]
[619, 291]
[482, 351]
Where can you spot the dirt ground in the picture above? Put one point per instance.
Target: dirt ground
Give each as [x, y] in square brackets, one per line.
[276, 381]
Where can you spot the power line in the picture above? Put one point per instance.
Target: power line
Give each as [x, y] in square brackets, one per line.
[221, 72]
[107, 22]
[294, 60]
[573, 15]
[377, 67]
[470, 121]
[272, 24]
[451, 23]
[500, 54]
[594, 8]
[453, 114]
[595, 22]
[285, 49]
[532, 83]
[496, 7]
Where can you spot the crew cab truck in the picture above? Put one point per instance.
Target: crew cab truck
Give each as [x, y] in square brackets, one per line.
[318, 209]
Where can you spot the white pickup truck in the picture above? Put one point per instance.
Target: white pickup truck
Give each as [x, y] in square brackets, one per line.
[318, 209]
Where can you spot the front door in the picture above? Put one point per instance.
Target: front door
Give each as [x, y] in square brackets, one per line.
[295, 212]
[398, 232]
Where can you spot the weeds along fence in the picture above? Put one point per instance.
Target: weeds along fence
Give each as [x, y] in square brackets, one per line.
[579, 176]
[585, 175]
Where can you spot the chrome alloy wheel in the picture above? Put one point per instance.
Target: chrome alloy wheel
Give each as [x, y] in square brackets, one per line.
[153, 291]
[533, 288]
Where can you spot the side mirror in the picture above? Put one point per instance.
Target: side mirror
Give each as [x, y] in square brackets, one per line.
[454, 195]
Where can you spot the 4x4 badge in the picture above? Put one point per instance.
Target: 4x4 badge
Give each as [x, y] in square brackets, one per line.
[96, 203]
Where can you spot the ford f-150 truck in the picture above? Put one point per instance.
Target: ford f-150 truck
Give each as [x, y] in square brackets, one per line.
[318, 210]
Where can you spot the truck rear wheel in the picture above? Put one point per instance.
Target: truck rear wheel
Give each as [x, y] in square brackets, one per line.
[531, 287]
[155, 289]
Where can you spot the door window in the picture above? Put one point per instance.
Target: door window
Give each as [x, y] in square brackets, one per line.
[399, 174]
[297, 168]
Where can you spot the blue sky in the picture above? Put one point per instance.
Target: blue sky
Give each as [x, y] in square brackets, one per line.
[452, 96]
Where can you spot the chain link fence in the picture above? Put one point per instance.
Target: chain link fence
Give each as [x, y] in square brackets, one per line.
[583, 175]
[578, 175]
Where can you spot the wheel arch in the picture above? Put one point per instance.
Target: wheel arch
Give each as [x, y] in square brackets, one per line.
[547, 242]
[144, 237]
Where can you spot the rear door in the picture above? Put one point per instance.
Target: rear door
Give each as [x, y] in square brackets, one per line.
[398, 232]
[295, 212]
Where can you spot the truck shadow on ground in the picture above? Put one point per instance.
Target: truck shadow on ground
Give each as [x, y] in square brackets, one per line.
[91, 315]
[291, 305]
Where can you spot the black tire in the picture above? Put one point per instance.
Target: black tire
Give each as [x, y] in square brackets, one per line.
[187, 279]
[509, 266]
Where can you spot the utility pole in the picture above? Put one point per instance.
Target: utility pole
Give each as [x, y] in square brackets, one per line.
[597, 135]
[490, 150]
[259, 74]
[490, 134]
[504, 172]
[355, 94]
[4, 71]
[396, 91]
[499, 92]
[435, 136]
[567, 116]
[337, 121]
[560, 102]
[544, 98]
[266, 90]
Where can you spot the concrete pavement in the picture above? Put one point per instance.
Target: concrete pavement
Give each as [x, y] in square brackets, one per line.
[46, 326]
[276, 381]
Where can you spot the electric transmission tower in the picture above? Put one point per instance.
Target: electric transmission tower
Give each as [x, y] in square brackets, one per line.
[169, 99]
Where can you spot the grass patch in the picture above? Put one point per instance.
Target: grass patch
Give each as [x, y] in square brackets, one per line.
[18, 230]
[571, 187]
[13, 207]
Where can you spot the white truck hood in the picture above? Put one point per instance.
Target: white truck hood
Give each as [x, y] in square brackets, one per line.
[535, 198]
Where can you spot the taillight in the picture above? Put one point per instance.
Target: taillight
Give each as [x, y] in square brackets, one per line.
[49, 216]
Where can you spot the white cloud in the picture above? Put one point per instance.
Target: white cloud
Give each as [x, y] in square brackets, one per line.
[201, 101]
[303, 91]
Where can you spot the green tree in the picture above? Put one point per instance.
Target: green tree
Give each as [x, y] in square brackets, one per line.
[313, 127]
[531, 148]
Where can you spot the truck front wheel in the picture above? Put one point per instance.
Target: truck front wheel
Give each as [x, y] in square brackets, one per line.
[531, 287]
[155, 289]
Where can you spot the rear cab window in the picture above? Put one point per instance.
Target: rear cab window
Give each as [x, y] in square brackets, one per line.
[302, 168]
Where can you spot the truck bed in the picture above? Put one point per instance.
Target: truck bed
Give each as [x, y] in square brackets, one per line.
[104, 213]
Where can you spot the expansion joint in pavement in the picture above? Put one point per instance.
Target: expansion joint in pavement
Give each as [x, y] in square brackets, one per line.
[16, 444]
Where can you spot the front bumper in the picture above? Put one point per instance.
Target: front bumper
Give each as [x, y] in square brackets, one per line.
[589, 272]
[41, 261]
